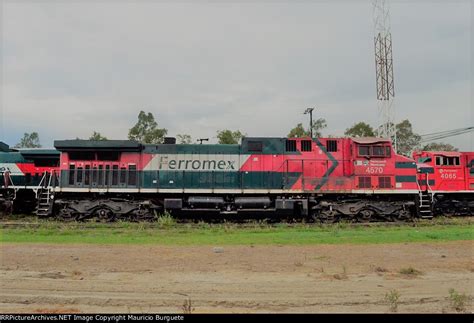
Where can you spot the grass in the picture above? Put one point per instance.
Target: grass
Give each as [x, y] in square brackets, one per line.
[410, 271]
[165, 220]
[169, 232]
[187, 306]
[392, 298]
[457, 301]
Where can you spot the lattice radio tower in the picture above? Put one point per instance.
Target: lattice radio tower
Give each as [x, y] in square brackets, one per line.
[384, 70]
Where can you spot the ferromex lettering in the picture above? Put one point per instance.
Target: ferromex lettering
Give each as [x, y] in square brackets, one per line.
[190, 162]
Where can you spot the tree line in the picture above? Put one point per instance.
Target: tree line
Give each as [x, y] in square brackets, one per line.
[146, 130]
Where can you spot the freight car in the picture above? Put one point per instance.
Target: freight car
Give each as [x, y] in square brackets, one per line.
[321, 178]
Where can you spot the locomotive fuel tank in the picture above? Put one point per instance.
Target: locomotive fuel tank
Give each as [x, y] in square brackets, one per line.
[261, 202]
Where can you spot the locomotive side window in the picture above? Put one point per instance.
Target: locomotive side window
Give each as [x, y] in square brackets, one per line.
[364, 150]
[424, 160]
[71, 174]
[365, 182]
[291, 145]
[255, 146]
[374, 151]
[331, 145]
[378, 151]
[306, 145]
[447, 161]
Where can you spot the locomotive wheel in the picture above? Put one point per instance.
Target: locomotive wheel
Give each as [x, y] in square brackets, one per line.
[326, 217]
[67, 215]
[403, 216]
[104, 215]
[365, 215]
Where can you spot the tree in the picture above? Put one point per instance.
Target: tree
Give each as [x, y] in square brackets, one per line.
[229, 137]
[184, 139]
[298, 132]
[360, 129]
[97, 136]
[317, 126]
[146, 130]
[439, 146]
[407, 140]
[29, 140]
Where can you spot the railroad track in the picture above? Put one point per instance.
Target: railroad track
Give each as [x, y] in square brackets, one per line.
[247, 224]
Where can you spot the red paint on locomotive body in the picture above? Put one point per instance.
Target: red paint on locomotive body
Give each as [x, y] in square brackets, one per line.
[442, 171]
[31, 168]
[341, 165]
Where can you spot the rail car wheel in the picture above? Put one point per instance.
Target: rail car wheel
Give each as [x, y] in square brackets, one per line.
[67, 215]
[143, 215]
[104, 215]
[365, 215]
[403, 216]
[326, 216]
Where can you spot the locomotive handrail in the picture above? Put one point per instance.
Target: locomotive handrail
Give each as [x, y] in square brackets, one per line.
[43, 179]
[7, 180]
[429, 190]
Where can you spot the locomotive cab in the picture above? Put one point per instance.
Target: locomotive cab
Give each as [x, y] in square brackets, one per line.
[441, 171]
[373, 163]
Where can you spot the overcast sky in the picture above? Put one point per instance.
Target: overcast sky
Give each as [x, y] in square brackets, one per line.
[71, 69]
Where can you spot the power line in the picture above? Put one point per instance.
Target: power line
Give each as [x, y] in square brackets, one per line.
[445, 134]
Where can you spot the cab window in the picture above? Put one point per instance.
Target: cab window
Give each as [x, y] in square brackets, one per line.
[364, 150]
[378, 151]
[447, 161]
[424, 160]
[374, 151]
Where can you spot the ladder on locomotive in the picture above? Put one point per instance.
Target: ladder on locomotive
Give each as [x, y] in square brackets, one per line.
[425, 200]
[45, 194]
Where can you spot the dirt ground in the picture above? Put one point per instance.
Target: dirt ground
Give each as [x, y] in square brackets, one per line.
[320, 278]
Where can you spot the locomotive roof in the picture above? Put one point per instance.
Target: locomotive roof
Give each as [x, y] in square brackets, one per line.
[369, 140]
[38, 151]
[4, 146]
[78, 144]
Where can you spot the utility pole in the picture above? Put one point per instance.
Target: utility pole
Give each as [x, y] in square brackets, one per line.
[310, 111]
[202, 139]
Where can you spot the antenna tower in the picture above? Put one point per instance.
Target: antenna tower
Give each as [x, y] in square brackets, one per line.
[384, 70]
